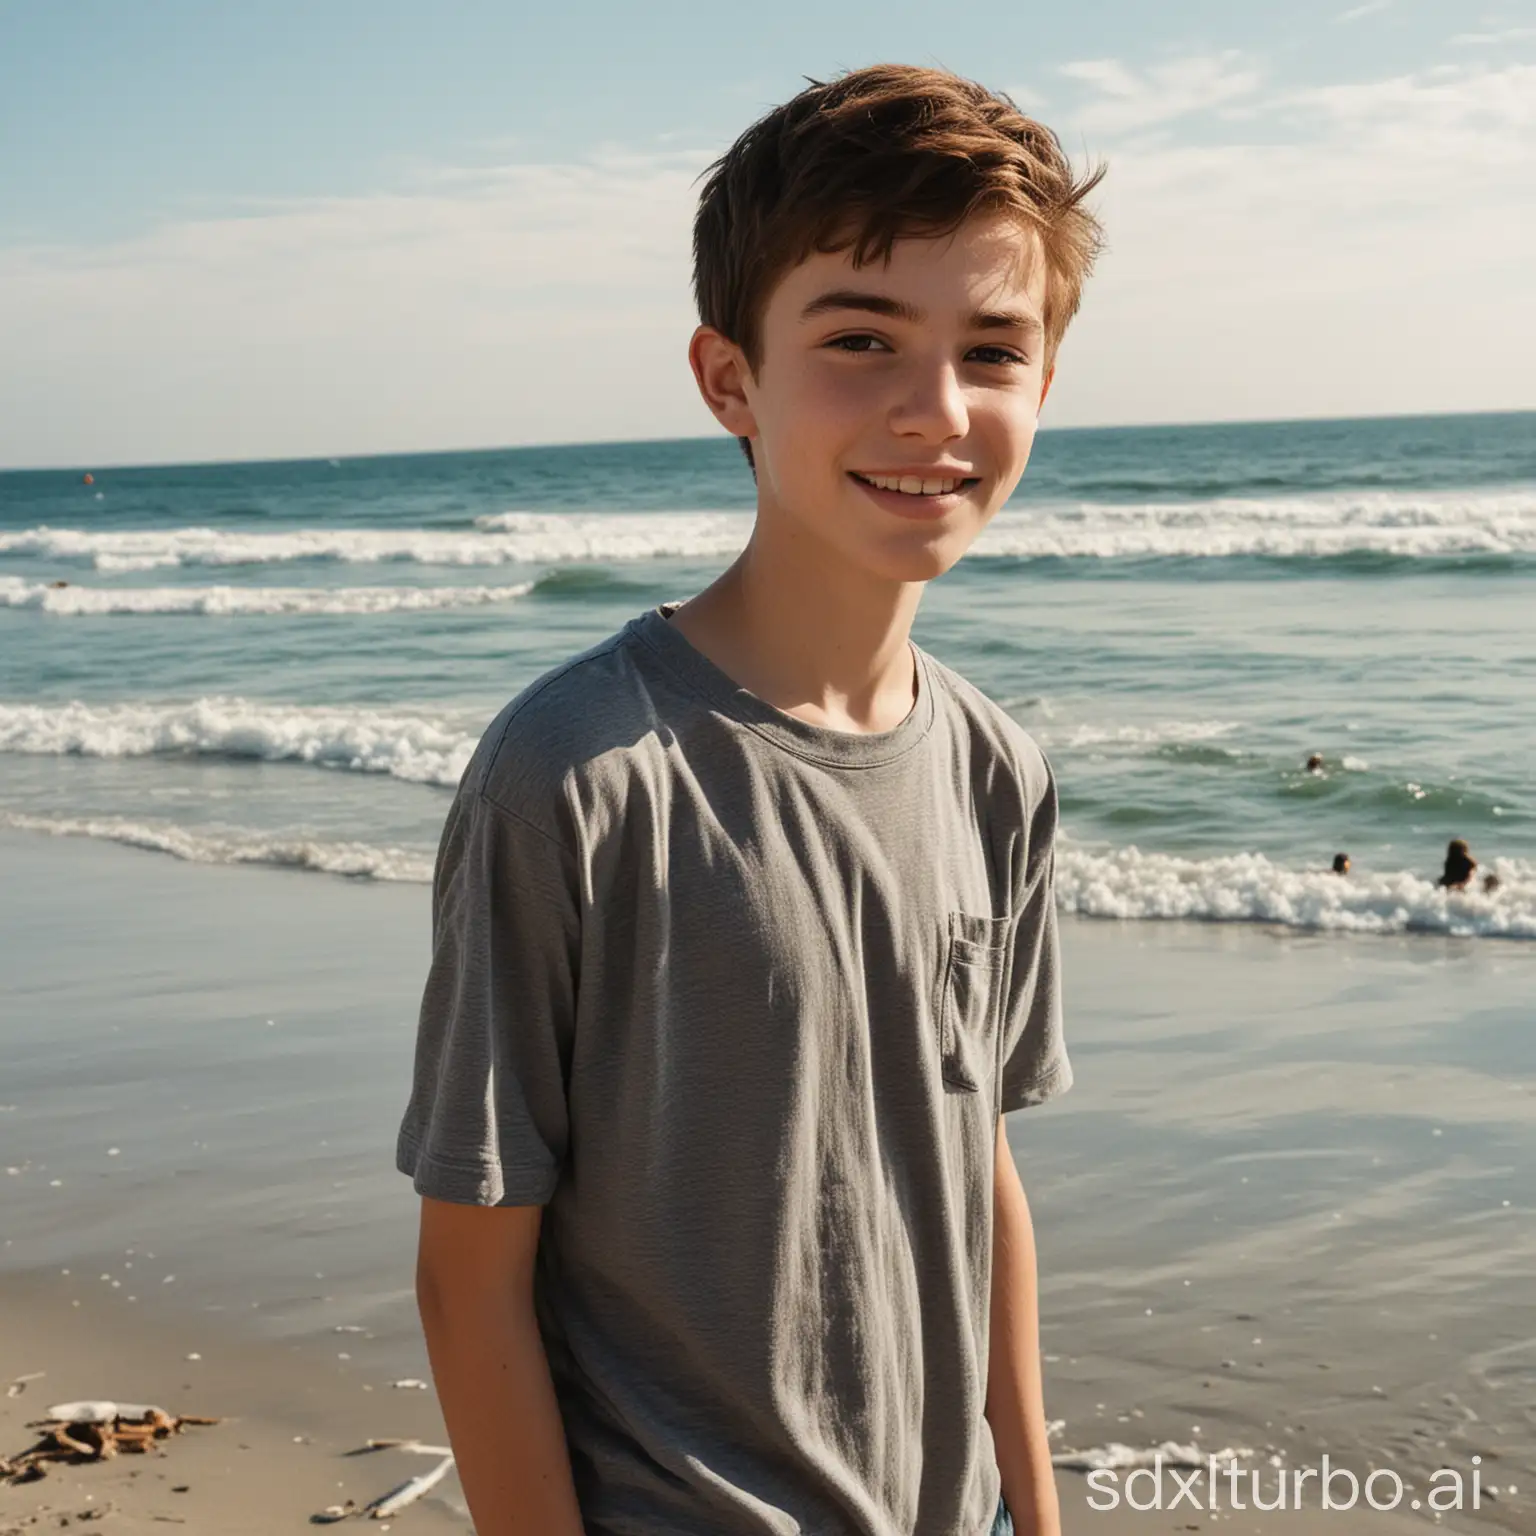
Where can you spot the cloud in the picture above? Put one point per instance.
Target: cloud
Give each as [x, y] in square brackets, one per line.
[1346, 249]
[1358, 12]
[519, 303]
[1495, 38]
[1129, 100]
[1342, 249]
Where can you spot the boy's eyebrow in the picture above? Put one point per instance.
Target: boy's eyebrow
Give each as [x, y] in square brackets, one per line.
[870, 303]
[899, 309]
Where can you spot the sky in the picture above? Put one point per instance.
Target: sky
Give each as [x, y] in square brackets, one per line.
[285, 229]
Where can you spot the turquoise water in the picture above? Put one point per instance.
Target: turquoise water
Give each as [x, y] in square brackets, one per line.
[289, 663]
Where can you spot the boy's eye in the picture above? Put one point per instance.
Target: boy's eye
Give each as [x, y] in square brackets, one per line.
[860, 343]
[1000, 355]
[991, 356]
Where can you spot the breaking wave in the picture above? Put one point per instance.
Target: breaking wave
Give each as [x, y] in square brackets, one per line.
[1248, 888]
[1358, 527]
[1124, 884]
[522, 539]
[357, 740]
[78, 602]
[404, 745]
[357, 861]
[1388, 524]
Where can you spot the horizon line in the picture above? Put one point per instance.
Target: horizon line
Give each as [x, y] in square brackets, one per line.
[92, 466]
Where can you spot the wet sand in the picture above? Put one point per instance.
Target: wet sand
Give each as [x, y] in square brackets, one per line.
[1288, 1201]
[291, 1417]
[293, 1427]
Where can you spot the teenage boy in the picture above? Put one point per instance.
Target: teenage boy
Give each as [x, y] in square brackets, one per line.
[744, 939]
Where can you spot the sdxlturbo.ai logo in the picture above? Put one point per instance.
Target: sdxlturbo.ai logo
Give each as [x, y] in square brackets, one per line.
[1147, 1488]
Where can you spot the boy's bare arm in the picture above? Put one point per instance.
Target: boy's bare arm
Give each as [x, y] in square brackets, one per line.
[1015, 1395]
[474, 1287]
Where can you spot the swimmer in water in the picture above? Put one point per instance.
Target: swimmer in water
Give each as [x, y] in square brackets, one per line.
[1490, 884]
[1459, 866]
[1341, 863]
[1315, 763]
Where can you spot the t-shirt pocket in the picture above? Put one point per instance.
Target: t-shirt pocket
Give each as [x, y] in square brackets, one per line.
[970, 994]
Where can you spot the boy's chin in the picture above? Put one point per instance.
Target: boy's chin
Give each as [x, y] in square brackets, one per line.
[889, 549]
[907, 561]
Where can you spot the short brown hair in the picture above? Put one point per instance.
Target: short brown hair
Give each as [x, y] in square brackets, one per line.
[861, 161]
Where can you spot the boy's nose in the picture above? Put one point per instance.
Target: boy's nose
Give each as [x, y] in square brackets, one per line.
[932, 406]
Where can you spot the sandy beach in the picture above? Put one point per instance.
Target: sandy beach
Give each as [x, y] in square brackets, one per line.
[294, 1426]
[1285, 1210]
[294, 1420]
[293, 1415]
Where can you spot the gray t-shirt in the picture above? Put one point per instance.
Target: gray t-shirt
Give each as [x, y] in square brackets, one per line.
[739, 1000]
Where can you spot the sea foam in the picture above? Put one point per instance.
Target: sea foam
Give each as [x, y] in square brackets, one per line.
[1418, 525]
[527, 539]
[1248, 888]
[86, 602]
[1116, 1456]
[358, 740]
[1124, 884]
[1406, 525]
[238, 846]
[1177, 732]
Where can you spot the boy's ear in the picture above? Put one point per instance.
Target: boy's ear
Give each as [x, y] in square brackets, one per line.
[720, 370]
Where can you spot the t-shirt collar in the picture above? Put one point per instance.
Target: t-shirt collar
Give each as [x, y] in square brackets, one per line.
[816, 743]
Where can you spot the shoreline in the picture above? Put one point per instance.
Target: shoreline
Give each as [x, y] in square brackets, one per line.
[1124, 887]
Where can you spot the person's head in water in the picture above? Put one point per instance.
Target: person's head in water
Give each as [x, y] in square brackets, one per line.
[1459, 865]
[1341, 863]
[1315, 763]
[1490, 884]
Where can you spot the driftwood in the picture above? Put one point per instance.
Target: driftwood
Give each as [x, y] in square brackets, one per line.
[414, 1446]
[98, 1430]
[397, 1498]
[408, 1492]
[94, 1431]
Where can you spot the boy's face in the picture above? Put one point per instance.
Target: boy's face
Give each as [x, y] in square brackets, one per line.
[924, 373]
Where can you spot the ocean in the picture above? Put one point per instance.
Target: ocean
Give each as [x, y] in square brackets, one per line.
[289, 663]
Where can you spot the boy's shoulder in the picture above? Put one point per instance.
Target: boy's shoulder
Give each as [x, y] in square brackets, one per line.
[570, 718]
[999, 747]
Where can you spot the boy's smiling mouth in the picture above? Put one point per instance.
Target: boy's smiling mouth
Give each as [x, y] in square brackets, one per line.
[915, 495]
[916, 485]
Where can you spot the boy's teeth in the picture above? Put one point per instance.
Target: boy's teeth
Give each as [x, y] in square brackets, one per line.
[911, 485]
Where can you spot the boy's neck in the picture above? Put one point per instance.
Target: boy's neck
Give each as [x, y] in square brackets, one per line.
[792, 623]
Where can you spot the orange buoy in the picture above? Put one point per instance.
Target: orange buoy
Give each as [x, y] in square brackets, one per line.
[88, 478]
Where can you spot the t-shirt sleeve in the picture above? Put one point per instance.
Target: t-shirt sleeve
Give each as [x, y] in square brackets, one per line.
[1035, 1064]
[487, 1120]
